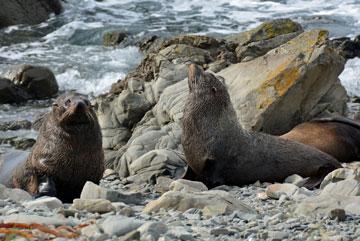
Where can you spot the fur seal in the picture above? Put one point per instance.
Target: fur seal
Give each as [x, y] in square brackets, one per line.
[67, 153]
[337, 136]
[220, 152]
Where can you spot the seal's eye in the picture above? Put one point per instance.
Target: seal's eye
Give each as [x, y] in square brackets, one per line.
[67, 102]
[55, 105]
[213, 89]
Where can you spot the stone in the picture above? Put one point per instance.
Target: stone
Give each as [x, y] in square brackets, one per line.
[324, 203]
[289, 81]
[340, 174]
[39, 82]
[275, 191]
[295, 179]
[338, 214]
[183, 185]
[10, 93]
[15, 125]
[56, 220]
[221, 231]
[49, 202]
[348, 187]
[265, 31]
[277, 235]
[163, 184]
[152, 230]
[27, 12]
[212, 203]
[93, 191]
[92, 230]
[259, 48]
[180, 233]
[119, 225]
[93, 205]
[15, 194]
[131, 236]
[154, 163]
[113, 38]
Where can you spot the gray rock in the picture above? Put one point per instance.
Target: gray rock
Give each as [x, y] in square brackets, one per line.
[113, 38]
[348, 187]
[289, 190]
[340, 174]
[187, 186]
[49, 202]
[211, 203]
[152, 231]
[15, 125]
[277, 235]
[289, 81]
[163, 184]
[27, 12]
[93, 205]
[39, 82]
[14, 194]
[180, 233]
[324, 203]
[10, 93]
[119, 225]
[93, 191]
[29, 219]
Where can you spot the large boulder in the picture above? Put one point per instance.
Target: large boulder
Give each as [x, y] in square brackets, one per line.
[274, 92]
[27, 12]
[10, 93]
[39, 82]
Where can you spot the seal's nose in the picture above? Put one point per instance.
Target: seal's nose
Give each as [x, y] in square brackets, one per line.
[80, 105]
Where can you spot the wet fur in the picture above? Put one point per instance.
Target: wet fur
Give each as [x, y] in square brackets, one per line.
[219, 151]
[336, 136]
[71, 154]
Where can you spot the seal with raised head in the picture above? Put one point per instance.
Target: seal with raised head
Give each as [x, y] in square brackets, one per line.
[335, 135]
[220, 151]
[67, 153]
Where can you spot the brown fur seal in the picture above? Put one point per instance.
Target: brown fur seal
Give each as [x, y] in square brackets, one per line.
[337, 136]
[219, 151]
[67, 153]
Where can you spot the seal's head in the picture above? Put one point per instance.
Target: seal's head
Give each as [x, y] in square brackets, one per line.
[74, 111]
[207, 86]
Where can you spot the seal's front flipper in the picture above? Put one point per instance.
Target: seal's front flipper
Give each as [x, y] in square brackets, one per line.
[46, 187]
[315, 181]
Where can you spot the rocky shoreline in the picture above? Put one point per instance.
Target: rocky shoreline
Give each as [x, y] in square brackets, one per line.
[278, 75]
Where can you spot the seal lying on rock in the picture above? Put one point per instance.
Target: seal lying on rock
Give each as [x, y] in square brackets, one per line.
[67, 153]
[219, 151]
[337, 136]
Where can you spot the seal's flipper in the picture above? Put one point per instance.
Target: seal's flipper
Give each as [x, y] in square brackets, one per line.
[315, 181]
[46, 187]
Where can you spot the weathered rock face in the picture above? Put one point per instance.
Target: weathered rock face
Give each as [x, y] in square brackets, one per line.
[283, 87]
[274, 92]
[27, 12]
[113, 38]
[269, 35]
[39, 82]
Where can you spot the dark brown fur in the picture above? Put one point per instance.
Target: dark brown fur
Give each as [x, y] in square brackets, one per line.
[219, 151]
[337, 136]
[68, 149]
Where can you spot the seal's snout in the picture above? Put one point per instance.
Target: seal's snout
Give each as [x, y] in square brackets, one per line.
[79, 105]
[194, 74]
